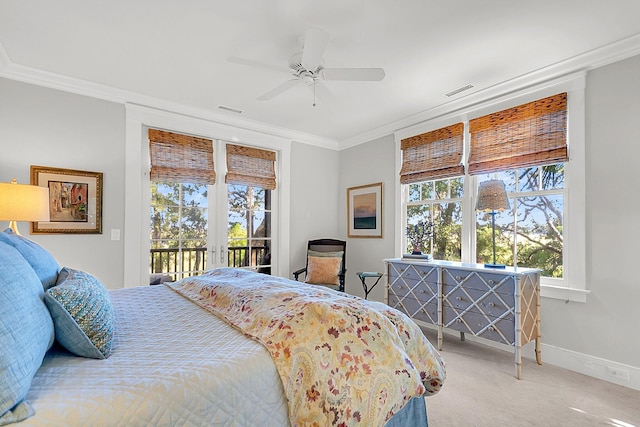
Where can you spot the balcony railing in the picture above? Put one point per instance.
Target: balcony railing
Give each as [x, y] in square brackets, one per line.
[192, 261]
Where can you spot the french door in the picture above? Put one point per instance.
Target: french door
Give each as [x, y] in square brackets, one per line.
[197, 227]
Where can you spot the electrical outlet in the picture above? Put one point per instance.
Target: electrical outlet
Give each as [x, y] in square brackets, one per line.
[621, 374]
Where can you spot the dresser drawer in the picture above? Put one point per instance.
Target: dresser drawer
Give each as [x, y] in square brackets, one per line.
[425, 311]
[417, 289]
[490, 303]
[500, 330]
[500, 283]
[413, 272]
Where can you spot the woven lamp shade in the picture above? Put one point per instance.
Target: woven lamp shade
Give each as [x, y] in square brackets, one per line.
[492, 196]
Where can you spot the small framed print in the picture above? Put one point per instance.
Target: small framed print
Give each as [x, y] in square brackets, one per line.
[364, 211]
[75, 201]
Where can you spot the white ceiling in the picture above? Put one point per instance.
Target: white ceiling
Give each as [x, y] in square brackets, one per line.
[177, 53]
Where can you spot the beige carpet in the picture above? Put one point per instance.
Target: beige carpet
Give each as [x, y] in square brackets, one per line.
[481, 390]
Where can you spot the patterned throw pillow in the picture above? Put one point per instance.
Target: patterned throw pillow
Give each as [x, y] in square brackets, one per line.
[82, 314]
[323, 270]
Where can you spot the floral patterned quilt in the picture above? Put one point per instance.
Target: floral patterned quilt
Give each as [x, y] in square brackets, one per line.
[343, 360]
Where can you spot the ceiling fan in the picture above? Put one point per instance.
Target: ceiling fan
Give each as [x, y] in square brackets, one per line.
[307, 67]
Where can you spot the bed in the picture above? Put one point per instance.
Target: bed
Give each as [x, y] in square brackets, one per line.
[176, 357]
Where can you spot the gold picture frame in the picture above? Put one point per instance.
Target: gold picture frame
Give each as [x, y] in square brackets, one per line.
[364, 211]
[75, 201]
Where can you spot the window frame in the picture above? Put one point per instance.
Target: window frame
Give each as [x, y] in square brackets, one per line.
[572, 287]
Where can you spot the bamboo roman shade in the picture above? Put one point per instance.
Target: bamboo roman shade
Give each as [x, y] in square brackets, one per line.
[527, 135]
[181, 158]
[432, 155]
[251, 166]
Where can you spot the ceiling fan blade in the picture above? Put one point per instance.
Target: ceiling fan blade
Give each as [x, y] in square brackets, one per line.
[354, 74]
[278, 90]
[315, 42]
[256, 64]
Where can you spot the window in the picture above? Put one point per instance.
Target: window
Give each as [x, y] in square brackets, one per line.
[531, 233]
[440, 203]
[526, 147]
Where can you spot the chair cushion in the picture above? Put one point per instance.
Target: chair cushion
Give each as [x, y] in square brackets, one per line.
[26, 332]
[331, 254]
[82, 314]
[323, 270]
[44, 264]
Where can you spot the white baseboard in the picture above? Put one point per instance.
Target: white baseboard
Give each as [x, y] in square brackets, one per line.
[597, 367]
[592, 366]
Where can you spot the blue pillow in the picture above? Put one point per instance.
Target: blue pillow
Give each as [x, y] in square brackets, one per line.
[44, 264]
[82, 314]
[26, 332]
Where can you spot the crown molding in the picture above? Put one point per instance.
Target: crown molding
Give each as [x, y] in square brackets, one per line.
[77, 86]
[593, 59]
[4, 57]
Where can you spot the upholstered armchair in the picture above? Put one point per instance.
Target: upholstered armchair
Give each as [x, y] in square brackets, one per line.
[326, 263]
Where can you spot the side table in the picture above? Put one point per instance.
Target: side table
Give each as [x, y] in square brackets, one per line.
[363, 275]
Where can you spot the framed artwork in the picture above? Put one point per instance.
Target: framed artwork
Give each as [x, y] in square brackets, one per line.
[364, 211]
[75, 201]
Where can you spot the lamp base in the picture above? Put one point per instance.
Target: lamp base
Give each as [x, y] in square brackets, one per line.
[495, 266]
[13, 225]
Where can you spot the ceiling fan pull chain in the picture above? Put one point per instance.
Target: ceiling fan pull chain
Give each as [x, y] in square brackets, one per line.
[314, 92]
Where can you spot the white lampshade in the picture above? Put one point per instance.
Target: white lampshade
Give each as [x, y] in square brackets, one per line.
[20, 202]
[492, 196]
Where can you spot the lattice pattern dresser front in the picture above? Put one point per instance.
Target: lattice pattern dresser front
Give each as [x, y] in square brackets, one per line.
[500, 305]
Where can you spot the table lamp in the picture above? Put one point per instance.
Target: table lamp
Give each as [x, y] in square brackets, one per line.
[21, 202]
[492, 198]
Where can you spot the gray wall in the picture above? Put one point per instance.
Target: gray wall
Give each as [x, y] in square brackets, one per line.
[314, 190]
[360, 165]
[46, 127]
[606, 325]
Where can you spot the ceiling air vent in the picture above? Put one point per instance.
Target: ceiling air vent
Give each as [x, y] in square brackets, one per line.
[460, 89]
[232, 110]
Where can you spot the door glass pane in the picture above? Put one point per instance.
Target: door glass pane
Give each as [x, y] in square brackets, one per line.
[178, 229]
[249, 227]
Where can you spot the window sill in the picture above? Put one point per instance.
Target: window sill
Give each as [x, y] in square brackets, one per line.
[564, 293]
